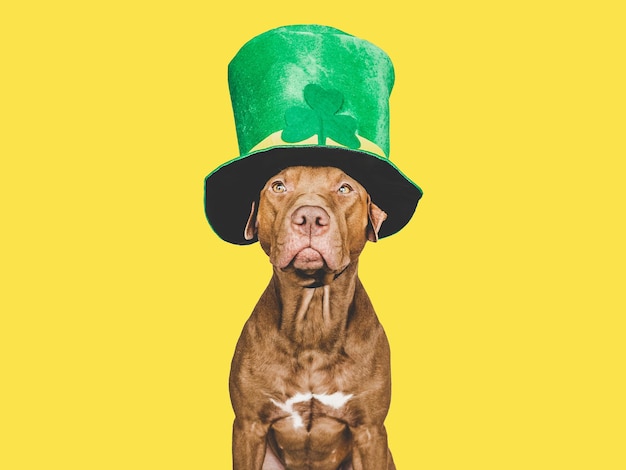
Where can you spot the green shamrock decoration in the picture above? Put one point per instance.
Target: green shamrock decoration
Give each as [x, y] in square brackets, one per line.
[321, 118]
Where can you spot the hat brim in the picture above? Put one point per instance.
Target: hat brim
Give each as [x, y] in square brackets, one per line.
[232, 187]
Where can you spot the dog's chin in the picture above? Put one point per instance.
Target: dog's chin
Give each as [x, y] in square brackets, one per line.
[313, 278]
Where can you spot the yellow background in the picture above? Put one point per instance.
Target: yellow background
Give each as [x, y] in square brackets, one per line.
[503, 299]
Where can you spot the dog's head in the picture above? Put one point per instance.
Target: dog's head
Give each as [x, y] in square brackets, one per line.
[313, 221]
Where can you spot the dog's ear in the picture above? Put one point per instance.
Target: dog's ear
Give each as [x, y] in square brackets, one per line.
[252, 225]
[376, 218]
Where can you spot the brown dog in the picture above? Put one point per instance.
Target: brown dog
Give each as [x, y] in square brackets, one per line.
[310, 378]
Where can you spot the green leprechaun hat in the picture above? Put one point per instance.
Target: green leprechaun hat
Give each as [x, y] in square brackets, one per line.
[308, 95]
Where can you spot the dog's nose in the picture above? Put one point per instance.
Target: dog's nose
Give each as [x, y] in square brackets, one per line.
[310, 220]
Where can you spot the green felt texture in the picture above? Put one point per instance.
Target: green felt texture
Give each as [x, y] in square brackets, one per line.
[307, 80]
[321, 119]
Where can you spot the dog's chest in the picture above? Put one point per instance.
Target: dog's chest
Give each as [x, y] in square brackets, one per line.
[312, 426]
[302, 408]
[321, 374]
[312, 386]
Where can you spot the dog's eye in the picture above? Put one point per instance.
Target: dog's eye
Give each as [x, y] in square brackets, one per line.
[345, 189]
[278, 187]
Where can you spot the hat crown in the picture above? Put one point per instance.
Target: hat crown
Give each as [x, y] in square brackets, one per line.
[312, 85]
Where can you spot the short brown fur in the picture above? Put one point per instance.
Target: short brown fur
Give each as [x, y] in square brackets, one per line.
[314, 331]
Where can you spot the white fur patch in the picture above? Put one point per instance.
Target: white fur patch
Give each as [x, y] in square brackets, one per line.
[334, 400]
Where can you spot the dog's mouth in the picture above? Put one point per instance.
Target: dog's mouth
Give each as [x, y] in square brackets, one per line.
[310, 266]
[308, 259]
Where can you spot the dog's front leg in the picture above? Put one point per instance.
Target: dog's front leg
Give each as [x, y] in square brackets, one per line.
[371, 451]
[249, 442]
